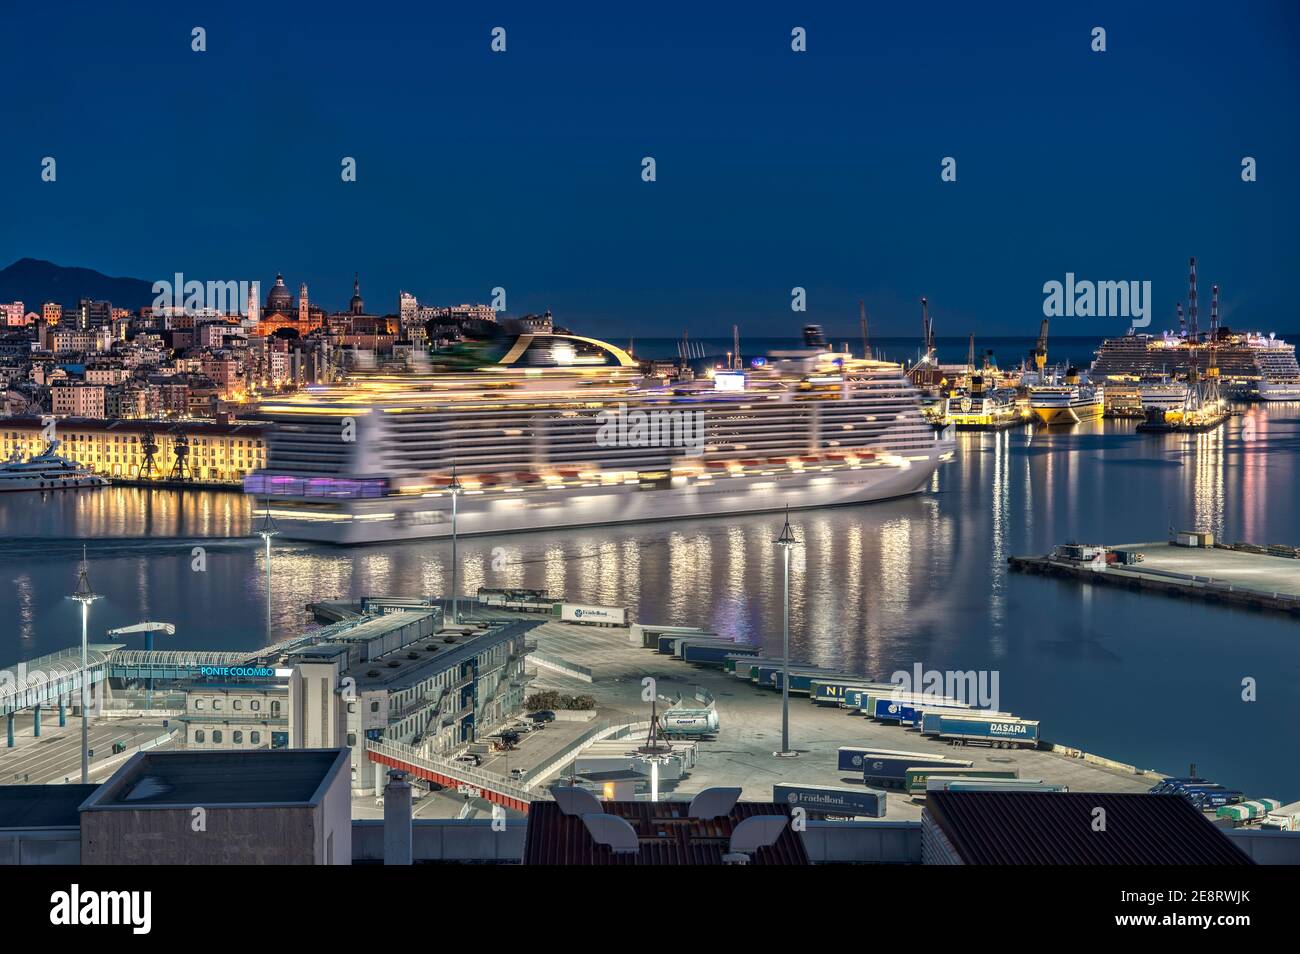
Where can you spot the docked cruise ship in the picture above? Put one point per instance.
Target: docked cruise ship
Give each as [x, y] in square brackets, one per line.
[1251, 366]
[539, 431]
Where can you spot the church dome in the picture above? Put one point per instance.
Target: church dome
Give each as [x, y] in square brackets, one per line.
[279, 298]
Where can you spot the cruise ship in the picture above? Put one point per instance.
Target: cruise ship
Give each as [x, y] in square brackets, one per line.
[46, 471]
[1251, 366]
[540, 431]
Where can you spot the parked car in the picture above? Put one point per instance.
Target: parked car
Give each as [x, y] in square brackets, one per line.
[470, 758]
[542, 717]
[518, 772]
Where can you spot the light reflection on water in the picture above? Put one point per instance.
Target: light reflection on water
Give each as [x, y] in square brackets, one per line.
[874, 588]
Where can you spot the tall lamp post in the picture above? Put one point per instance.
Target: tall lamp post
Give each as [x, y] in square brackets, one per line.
[786, 541]
[85, 596]
[454, 488]
[266, 532]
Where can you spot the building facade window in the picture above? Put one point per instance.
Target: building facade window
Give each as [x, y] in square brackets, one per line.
[199, 736]
[216, 735]
[239, 737]
[255, 738]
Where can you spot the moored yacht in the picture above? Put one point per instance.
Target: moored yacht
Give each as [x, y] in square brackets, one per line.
[46, 471]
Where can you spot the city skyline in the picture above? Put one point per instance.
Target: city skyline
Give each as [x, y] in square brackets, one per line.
[775, 169]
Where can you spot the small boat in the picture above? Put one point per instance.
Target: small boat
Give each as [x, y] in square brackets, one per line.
[46, 471]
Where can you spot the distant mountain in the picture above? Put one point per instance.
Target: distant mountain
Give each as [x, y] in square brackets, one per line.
[34, 282]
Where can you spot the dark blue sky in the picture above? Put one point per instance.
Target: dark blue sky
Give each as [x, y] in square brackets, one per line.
[775, 169]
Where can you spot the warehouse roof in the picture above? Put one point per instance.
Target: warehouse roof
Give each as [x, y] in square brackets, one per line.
[666, 833]
[248, 777]
[1058, 828]
[42, 806]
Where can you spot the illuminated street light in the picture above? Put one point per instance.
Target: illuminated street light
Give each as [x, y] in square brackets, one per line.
[266, 532]
[85, 596]
[455, 489]
[786, 541]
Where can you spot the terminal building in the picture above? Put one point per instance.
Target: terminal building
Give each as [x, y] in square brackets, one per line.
[228, 716]
[400, 677]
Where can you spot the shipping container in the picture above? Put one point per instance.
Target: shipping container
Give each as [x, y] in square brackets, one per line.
[998, 730]
[831, 800]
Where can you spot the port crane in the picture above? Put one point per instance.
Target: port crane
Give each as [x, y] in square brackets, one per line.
[1040, 352]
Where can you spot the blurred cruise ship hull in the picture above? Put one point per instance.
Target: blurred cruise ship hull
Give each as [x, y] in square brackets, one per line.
[386, 519]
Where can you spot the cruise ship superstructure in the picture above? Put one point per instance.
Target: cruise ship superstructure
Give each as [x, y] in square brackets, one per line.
[1250, 365]
[547, 431]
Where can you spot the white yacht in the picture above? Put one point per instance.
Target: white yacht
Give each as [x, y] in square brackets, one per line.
[46, 471]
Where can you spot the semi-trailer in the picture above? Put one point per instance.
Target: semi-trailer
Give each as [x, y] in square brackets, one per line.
[906, 709]
[836, 692]
[831, 799]
[999, 731]
[915, 779]
[801, 682]
[646, 635]
[1285, 817]
[669, 644]
[707, 655]
[891, 771]
[690, 722]
[850, 758]
[940, 783]
[1246, 811]
[1210, 799]
[591, 615]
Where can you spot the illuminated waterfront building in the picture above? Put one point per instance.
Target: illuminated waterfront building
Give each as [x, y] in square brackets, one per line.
[217, 452]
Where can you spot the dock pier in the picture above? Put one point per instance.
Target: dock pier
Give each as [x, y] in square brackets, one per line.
[1241, 575]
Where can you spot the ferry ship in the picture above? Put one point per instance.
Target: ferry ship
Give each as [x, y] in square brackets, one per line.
[1069, 403]
[540, 431]
[46, 471]
[980, 409]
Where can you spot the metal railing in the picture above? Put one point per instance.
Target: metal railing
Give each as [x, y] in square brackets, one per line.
[460, 771]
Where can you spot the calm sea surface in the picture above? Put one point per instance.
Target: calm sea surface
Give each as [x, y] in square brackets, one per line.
[875, 588]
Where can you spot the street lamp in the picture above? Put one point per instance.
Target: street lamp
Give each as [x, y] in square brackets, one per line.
[266, 532]
[455, 489]
[85, 596]
[786, 541]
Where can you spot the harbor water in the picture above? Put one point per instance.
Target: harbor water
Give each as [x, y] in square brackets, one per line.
[1148, 680]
